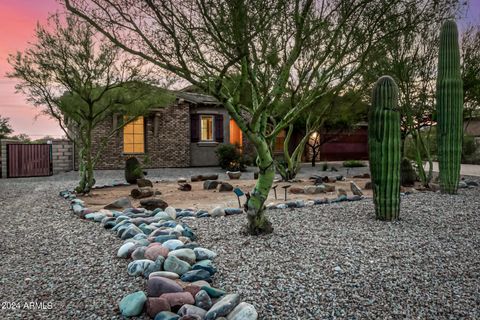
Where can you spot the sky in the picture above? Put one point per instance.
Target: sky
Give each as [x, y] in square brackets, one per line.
[18, 19]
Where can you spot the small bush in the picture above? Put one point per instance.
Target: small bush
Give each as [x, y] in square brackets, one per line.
[324, 166]
[230, 158]
[133, 170]
[353, 164]
[407, 173]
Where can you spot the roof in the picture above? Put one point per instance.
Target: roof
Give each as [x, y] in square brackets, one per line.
[197, 98]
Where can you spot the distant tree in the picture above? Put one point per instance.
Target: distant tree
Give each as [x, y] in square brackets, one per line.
[5, 127]
[470, 49]
[21, 137]
[81, 79]
[306, 47]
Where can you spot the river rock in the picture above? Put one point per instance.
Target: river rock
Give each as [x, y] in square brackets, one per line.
[244, 311]
[232, 211]
[121, 203]
[142, 183]
[217, 212]
[172, 244]
[167, 315]
[164, 274]
[156, 286]
[187, 255]
[296, 190]
[314, 189]
[206, 265]
[355, 189]
[155, 305]
[139, 253]
[210, 184]
[178, 299]
[189, 310]
[144, 267]
[152, 204]
[204, 254]
[196, 275]
[171, 212]
[154, 252]
[203, 300]
[124, 250]
[132, 304]
[192, 289]
[174, 264]
[213, 292]
[341, 192]
[225, 187]
[130, 232]
[223, 306]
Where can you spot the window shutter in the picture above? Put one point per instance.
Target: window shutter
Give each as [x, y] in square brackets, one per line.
[219, 128]
[194, 128]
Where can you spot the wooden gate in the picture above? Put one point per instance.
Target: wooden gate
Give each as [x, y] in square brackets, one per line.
[29, 160]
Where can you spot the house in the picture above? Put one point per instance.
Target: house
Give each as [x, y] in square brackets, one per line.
[183, 134]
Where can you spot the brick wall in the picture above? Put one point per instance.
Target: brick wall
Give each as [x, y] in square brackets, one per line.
[170, 147]
[62, 156]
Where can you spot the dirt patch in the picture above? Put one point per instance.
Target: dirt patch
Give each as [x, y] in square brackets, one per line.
[208, 199]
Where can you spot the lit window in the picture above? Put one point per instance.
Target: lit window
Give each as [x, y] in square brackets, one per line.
[134, 137]
[235, 133]
[206, 128]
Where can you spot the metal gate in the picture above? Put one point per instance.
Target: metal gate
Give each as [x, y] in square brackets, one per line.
[29, 160]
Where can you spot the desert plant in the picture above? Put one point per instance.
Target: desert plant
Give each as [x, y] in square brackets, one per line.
[230, 158]
[449, 98]
[353, 164]
[324, 166]
[384, 149]
[407, 173]
[133, 170]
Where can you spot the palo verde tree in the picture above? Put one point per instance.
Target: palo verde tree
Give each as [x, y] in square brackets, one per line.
[5, 127]
[305, 47]
[81, 80]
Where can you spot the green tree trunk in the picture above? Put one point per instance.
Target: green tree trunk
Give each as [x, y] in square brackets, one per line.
[87, 179]
[258, 222]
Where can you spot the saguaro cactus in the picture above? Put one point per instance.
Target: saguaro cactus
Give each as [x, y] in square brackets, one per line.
[384, 149]
[449, 108]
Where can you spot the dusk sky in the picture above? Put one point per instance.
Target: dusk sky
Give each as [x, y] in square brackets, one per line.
[17, 22]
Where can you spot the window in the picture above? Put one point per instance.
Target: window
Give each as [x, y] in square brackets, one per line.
[235, 133]
[134, 136]
[206, 128]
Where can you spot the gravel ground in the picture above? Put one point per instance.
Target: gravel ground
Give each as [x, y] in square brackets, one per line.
[326, 262]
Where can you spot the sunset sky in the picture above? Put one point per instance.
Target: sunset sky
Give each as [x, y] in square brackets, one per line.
[17, 22]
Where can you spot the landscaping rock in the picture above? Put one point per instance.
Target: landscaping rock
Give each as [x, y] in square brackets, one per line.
[225, 187]
[140, 193]
[203, 300]
[204, 254]
[187, 255]
[172, 244]
[155, 305]
[181, 180]
[164, 274]
[196, 275]
[213, 292]
[341, 192]
[139, 253]
[142, 183]
[124, 250]
[210, 184]
[462, 184]
[191, 310]
[156, 286]
[314, 189]
[167, 315]
[174, 264]
[217, 212]
[185, 187]
[121, 203]
[355, 189]
[178, 299]
[152, 204]
[223, 307]
[296, 190]
[211, 176]
[244, 311]
[232, 211]
[171, 212]
[153, 252]
[132, 304]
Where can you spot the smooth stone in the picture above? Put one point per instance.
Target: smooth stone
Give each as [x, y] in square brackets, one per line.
[225, 187]
[144, 267]
[217, 212]
[167, 315]
[244, 311]
[210, 184]
[191, 245]
[232, 211]
[203, 300]
[282, 206]
[172, 244]
[164, 274]
[155, 305]
[156, 286]
[462, 184]
[142, 183]
[177, 299]
[166, 237]
[174, 264]
[132, 304]
[223, 306]
[472, 183]
[188, 232]
[213, 292]
[309, 203]
[187, 255]
[171, 212]
[131, 232]
[152, 204]
[154, 252]
[162, 216]
[139, 253]
[125, 249]
[121, 203]
[206, 265]
[189, 310]
[196, 275]
[204, 254]
[192, 289]
[355, 189]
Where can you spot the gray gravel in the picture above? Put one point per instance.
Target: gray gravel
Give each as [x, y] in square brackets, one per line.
[325, 262]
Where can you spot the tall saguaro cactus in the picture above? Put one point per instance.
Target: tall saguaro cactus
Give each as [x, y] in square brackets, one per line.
[384, 149]
[449, 108]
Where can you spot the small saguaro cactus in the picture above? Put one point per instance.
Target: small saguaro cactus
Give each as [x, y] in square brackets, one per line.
[449, 108]
[384, 149]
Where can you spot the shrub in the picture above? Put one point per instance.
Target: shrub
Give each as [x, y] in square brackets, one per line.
[133, 170]
[407, 173]
[324, 166]
[230, 158]
[353, 164]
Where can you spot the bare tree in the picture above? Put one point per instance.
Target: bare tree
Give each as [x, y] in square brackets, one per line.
[302, 47]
